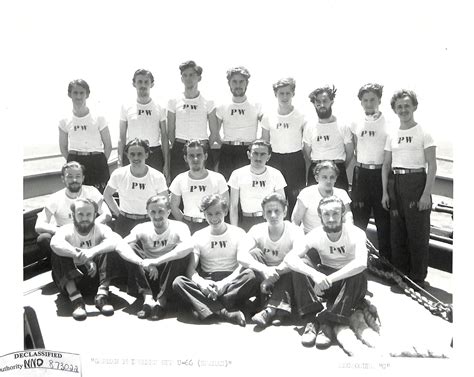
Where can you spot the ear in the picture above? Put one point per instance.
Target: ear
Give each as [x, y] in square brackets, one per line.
[248, 154]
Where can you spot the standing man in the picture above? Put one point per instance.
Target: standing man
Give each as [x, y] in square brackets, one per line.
[250, 184]
[144, 119]
[239, 120]
[85, 137]
[283, 129]
[328, 139]
[164, 246]
[215, 283]
[408, 173]
[340, 278]
[79, 253]
[369, 134]
[57, 211]
[193, 185]
[190, 117]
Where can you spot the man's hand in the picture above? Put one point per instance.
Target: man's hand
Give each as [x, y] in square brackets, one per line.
[425, 202]
[220, 288]
[386, 201]
[208, 287]
[91, 268]
[271, 274]
[81, 257]
[88, 253]
[146, 263]
[152, 272]
[321, 283]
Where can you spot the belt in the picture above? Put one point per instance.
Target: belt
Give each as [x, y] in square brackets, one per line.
[369, 166]
[77, 153]
[407, 171]
[236, 142]
[132, 216]
[335, 161]
[193, 219]
[252, 214]
[185, 141]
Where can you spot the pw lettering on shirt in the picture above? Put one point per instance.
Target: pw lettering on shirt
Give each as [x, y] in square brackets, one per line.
[161, 243]
[218, 244]
[87, 243]
[190, 107]
[200, 188]
[80, 128]
[367, 133]
[270, 251]
[340, 250]
[282, 125]
[258, 183]
[146, 112]
[405, 139]
[138, 185]
[323, 138]
[237, 111]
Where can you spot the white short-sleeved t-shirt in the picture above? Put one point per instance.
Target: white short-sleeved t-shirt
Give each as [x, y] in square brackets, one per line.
[59, 204]
[286, 131]
[143, 121]
[98, 233]
[327, 140]
[191, 117]
[218, 253]
[154, 243]
[337, 254]
[193, 190]
[84, 132]
[371, 137]
[254, 187]
[239, 120]
[310, 198]
[408, 147]
[275, 251]
[134, 192]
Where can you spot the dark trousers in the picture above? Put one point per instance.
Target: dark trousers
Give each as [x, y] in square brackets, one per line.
[123, 225]
[410, 228]
[155, 158]
[179, 165]
[247, 222]
[96, 169]
[44, 243]
[342, 182]
[244, 285]
[232, 157]
[140, 282]
[292, 166]
[194, 227]
[366, 199]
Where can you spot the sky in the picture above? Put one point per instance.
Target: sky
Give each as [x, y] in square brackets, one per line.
[401, 44]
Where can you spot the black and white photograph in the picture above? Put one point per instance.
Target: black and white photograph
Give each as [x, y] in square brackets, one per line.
[235, 187]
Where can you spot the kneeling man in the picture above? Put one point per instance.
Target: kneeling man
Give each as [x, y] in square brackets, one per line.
[215, 282]
[340, 278]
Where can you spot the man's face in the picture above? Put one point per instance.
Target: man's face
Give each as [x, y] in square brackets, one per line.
[84, 217]
[331, 218]
[323, 105]
[196, 158]
[136, 155]
[258, 156]
[78, 96]
[404, 109]
[284, 95]
[215, 215]
[326, 179]
[274, 213]
[73, 178]
[143, 85]
[238, 85]
[158, 214]
[370, 103]
[190, 78]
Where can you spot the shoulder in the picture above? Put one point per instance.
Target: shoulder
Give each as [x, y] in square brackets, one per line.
[155, 173]
[235, 230]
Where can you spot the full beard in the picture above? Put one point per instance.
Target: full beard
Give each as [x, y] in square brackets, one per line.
[324, 114]
[83, 228]
[333, 229]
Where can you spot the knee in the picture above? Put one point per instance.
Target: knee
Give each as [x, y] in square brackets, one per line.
[44, 239]
[178, 283]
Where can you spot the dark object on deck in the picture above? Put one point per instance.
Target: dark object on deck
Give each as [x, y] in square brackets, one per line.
[32, 332]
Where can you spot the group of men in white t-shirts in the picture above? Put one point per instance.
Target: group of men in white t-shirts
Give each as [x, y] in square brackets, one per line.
[294, 239]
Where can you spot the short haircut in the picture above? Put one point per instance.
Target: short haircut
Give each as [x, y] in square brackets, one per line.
[71, 165]
[143, 72]
[327, 164]
[190, 64]
[275, 197]
[235, 70]
[377, 89]
[84, 201]
[138, 142]
[289, 81]
[401, 94]
[211, 200]
[331, 92]
[195, 143]
[159, 199]
[329, 200]
[260, 143]
[79, 82]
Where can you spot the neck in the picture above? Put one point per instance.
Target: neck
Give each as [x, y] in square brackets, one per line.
[198, 174]
[80, 111]
[257, 170]
[162, 229]
[275, 231]
[373, 116]
[82, 233]
[219, 229]
[73, 195]
[408, 124]
[239, 99]
[143, 100]
[324, 193]
[331, 119]
[138, 171]
[191, 93]
[285, 109]
[334, 236]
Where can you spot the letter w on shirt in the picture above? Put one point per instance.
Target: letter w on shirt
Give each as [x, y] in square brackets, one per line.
[80, 128]
[237, 111]
[200, 188]
[141, 186]
[406, 139]
[369, 133]
[161, 243]
[87, 243]
[258, 183]
[146, 112]
[340, 250]
[323, 137]
[221, 244]
[191, 107]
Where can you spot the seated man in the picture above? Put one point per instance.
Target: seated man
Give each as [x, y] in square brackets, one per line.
[340, 278]
[164, 246]
[268, 243]
[57, 211]
[78, 252]
[215, 282]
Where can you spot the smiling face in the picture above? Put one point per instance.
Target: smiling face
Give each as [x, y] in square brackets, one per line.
[84, 216]
[73, 178]
[404, 109]
[215, 215]
[158, 214]
[238, 85]
[137, 155]
[274, 212]
[370, 103]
